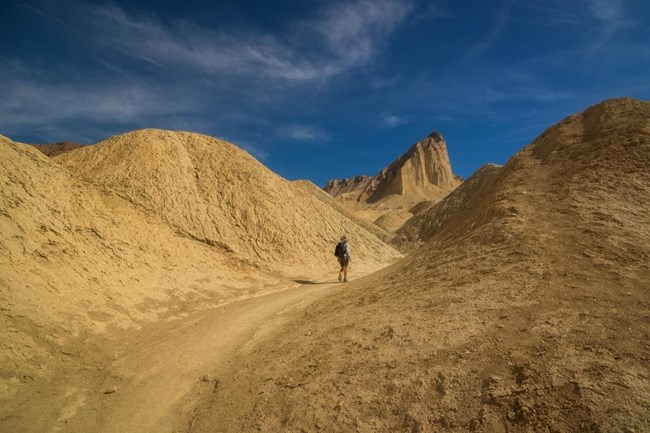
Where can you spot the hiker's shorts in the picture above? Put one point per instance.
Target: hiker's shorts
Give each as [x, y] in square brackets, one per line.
[343, 261]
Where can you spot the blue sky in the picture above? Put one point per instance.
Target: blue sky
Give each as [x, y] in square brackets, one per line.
[319, 89]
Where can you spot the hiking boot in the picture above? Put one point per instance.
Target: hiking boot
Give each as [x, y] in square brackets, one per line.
[345, 280]
[340, 278]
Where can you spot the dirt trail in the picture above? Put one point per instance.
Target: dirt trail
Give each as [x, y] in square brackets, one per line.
[159, 373]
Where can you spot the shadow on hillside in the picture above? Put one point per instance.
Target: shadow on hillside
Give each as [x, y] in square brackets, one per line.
[311, 282]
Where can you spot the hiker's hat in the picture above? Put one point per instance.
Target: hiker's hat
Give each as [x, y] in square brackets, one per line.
[344, 238]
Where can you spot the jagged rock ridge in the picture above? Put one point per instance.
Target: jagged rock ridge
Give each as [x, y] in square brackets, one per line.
[336, 187]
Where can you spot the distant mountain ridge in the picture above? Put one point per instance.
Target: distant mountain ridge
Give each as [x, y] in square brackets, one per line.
[336, 187]
[55, 149]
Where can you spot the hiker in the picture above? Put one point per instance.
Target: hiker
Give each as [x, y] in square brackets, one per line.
[342, 252]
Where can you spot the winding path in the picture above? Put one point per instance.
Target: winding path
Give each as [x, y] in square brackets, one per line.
[160, 372]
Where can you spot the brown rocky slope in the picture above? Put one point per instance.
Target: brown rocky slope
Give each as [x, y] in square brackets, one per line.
[462, 201]
[527, 312]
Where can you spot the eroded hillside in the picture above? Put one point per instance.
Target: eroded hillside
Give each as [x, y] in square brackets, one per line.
[526, 310]
[144, 228]
[78, 261]
[214, 192]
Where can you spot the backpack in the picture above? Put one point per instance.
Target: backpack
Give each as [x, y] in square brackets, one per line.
[339, 250]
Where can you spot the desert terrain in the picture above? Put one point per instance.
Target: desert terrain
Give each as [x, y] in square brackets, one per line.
[165, 281]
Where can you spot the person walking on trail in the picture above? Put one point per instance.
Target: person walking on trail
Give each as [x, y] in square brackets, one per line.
[343, 253]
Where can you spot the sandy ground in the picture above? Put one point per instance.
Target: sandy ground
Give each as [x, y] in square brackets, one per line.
[156, 378]
[157, 373]
[150, 380]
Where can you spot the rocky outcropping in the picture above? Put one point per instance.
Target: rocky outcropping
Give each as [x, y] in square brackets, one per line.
[423, 169]
[336, 187]
[425, 165]
[422, 174]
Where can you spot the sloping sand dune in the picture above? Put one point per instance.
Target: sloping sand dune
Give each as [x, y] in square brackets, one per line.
[527, 311]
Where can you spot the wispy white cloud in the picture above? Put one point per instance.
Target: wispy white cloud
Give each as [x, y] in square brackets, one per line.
[34, 101]
[610, 19]
[151, 61]
[37, 11]
[472, 93]
[595, 16]
[354, 30]
[608, 11]
[392, 120]
[188, 67]
[500, 22]
[339, 37]
[304, 133]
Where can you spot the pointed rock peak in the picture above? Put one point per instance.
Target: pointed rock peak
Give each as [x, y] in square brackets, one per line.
[424, 170]
[425, 167]
[432, 140]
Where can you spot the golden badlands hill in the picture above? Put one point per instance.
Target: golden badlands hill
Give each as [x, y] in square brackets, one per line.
[214, 192]
[422, 174]
[147, 226]
[77, 261]
[312, 189]
[526, 310]
[429, 217]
